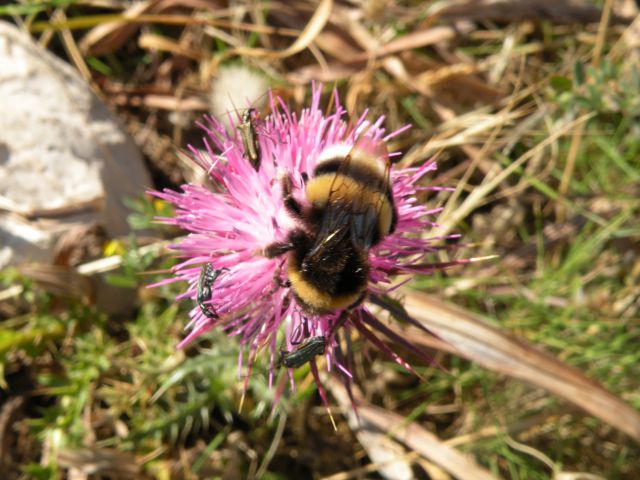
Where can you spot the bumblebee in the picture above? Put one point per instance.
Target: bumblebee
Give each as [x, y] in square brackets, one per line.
[250, 143]
[349, 209]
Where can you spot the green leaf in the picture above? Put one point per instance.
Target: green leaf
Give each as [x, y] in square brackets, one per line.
[561, 84]
[31, 8]
[39, 472]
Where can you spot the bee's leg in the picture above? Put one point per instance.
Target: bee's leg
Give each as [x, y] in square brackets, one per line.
[276, 249]
[295, 238]
[290, 203]
[277, 279]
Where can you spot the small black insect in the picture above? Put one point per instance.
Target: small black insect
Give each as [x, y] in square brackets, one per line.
[303, 353]
[249, 137]
[208, 275]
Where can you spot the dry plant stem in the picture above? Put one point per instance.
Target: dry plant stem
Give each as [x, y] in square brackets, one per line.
[113, 262]
[602, 32]
[395, 67]
[492, 181]
[149, 41]
[11, 292]
[567, 12]
[476, 340]
[628, 40]
[526, 449]
[419, 337]
[358, 473]
[572, 155]
[73, 51]
[454, 136]
[511, 429]
[577, 476]
[57, 279]
[304, 39]
[8, 413]
[162, 102]
[478, 156]
[119, 20]
[411, 41]
[277, 438]
[409, 433]
[103, 462]
[9, 205]
[109, 36]
[317, 22]
[258, 16]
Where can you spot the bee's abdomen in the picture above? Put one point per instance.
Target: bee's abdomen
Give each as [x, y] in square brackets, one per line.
[367, 175]
[356, 176]
[344, 189]
[318, 295]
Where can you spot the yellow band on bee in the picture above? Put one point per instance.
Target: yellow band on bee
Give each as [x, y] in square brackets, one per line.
[314, 298]
[353, 192]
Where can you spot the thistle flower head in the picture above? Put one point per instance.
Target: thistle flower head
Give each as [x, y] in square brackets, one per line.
[231, 224]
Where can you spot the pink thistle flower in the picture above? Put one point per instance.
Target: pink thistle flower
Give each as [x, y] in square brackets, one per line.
[232, 225]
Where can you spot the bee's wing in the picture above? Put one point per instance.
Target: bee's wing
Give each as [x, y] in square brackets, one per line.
[365, 218]
[359, 215]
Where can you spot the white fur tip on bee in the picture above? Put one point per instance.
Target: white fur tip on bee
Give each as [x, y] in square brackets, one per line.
[334, 151]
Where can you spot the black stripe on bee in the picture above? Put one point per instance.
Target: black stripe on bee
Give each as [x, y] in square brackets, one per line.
[361, 173]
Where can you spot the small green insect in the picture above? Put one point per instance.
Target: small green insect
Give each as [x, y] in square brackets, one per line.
[208, 275]
[249, 137]
[303, 353]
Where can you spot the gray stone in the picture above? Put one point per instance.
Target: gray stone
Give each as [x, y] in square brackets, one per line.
[64, 158]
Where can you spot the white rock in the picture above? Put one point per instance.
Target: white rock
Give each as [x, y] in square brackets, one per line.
[64, 158]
